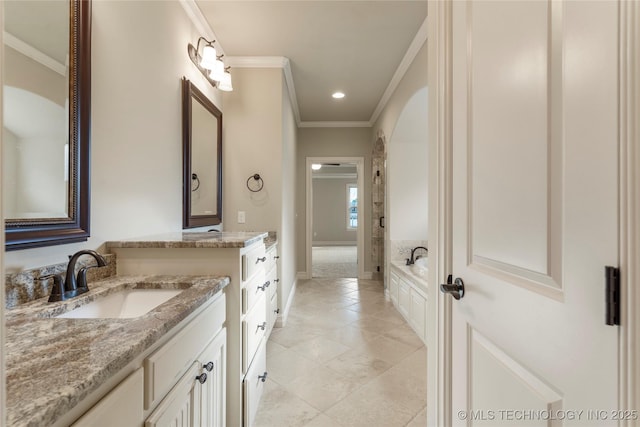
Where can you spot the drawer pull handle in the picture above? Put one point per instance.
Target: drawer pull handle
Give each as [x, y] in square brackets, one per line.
[263, 326]
[208, 366]
[265, 286]
[276, 280]
[202, 378]
[263, 377]
[263, 259]
[276, 257]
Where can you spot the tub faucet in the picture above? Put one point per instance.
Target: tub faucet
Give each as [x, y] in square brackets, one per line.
[412, 260]
[74, 285]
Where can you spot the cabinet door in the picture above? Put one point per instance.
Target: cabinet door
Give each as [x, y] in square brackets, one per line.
[393, 289]
[404, 298]
[213, 392]
[121, 407]
[417, 315]
[180, 408]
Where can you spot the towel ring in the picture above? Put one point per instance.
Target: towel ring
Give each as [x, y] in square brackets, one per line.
[255, 183]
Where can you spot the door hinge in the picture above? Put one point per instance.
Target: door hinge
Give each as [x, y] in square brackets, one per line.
[378, 268]
[612, 281]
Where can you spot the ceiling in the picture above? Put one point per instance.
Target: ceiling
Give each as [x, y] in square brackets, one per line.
[356, 47]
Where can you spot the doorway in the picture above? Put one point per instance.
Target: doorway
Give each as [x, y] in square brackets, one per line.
[335, 212]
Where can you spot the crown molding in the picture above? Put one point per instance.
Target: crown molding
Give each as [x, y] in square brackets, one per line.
[200, 22]
[33, 53]
[337, 124]
[270, 62]
[193, 12]
[407, 60]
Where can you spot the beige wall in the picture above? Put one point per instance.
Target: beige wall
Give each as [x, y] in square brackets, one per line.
[332, 142]
[252, 143]
[259, 136]
[330, 211]
[139, 55]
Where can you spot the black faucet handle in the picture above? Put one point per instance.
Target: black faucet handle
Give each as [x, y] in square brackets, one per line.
[57, 290]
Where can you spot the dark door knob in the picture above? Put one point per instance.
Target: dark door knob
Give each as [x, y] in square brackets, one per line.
[202, 378]
[455, 288]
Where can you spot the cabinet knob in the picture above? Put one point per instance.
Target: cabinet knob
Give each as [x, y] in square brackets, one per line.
[265, 286]
[263, 326]
[263, 377]
[263, 259]
[202, 378]
[208, 366]
[276, 311]
[276, 257]
[276, 280]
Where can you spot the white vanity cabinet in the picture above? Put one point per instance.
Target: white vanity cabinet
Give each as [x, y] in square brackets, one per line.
[197, 399]
[122, 406]
[247, 296]
[272, 291]
[181, 382]
[410, 299]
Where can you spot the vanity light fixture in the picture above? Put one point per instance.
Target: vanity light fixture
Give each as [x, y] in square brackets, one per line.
[210, 64]
[225, 81]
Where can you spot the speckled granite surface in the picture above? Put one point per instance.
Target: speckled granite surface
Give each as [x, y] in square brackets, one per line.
[270, 240]
[225, 239]
[52, 363]
[27, 285]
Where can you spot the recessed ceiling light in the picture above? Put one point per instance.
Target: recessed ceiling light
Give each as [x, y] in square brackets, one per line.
[338, 95]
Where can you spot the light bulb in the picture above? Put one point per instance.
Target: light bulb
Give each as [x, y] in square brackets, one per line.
[316, 166]
[225, 82]
[208, 60]
[218, 71]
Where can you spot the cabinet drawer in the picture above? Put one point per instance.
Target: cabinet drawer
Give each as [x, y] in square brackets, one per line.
[254, 326]
[272, 277]
[252, 261]
[164, 367]
[253, 385]
[272, 258]
[252, 291]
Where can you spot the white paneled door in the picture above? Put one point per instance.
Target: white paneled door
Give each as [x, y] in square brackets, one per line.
[535, 199]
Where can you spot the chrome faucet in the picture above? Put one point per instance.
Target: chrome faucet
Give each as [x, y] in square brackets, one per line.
[412, 260]
[74, 285]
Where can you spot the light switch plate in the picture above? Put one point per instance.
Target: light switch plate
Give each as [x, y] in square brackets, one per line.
[241, 217]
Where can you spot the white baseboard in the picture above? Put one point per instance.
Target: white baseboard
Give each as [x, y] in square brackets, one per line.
[334, 243]
[281, 321]
[301, 275]
[368, 275]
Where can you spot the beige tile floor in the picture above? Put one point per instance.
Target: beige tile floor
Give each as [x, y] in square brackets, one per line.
[345, 358]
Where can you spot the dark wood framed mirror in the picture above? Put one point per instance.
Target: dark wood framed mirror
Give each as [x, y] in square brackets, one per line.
[47, 186]
[202, 158]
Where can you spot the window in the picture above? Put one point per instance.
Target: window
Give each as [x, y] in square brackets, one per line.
[352, 206]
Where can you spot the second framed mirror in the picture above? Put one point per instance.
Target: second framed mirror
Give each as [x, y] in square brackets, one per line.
[202, 158]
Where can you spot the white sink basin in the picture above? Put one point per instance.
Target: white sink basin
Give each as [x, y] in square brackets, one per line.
[420, 268]
[122, 305]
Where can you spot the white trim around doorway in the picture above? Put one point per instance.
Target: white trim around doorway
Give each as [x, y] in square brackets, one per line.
[362, 209]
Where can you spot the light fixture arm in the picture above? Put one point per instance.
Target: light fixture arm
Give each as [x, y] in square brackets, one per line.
[196, 58]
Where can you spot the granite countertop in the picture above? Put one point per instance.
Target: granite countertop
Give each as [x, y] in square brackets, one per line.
[410, 274]
[224, 239]
[54, 363]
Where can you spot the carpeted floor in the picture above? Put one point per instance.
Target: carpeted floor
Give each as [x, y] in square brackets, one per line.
[334, 261]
